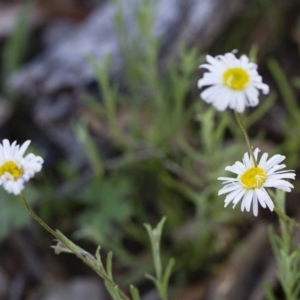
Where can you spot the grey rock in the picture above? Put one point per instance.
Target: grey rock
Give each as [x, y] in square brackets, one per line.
[65, 64]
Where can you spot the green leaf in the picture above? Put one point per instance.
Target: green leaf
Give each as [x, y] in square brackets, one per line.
[268, 291]
[14, 50]
[113, 290]
[90, 148]
[134, 293]
[98, 259]
[285, 88]
[109, 265]
[107, 205]
[167, 273]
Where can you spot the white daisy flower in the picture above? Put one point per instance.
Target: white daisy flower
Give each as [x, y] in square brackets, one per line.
[251, 181]
[234, 82]
[16, 169]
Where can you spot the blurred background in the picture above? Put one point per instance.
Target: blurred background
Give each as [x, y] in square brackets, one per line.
[107, 93]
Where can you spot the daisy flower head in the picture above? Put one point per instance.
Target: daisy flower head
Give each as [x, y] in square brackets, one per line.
[233, 82]
[15, 168]
[251, 182]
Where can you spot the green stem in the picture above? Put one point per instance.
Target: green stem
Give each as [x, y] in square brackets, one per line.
[39, 220]
[243, 128]
[79, 255]
[285, 217]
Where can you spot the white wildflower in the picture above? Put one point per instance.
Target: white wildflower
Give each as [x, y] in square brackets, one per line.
[233, 82]
[15, 168]
[252, 181]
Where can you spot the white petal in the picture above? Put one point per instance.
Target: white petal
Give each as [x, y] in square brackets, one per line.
[238, 197]
[223, 99]
[275, 168]
[6, 149]
[262, 195]
[233, 169]
[276, 182]
[23, 148]
[284, 188]
[255, 152]
[281, 176]
[255, 205]
[240, 102]
[263, 87]
[208, 94]
[263, 160]
[247, 161]
[252, 96]
[260, 199]
[229, 188]
[274, 160]
[235, 195]
[248, 199]
[229, 179]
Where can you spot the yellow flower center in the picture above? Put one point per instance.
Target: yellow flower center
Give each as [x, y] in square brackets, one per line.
[236, 78]
[12, 168]
[253, 177]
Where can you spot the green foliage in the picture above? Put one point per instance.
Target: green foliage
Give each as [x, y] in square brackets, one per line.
[161, 280]
[105, 272]
[108, 207]
[12, 214]
[291, 120]
[171, 148]
[287, 254]
[15, 47]
[93, 261]
[90, 149]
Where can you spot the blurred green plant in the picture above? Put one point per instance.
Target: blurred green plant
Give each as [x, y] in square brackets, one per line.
[108, 207]
[63, 244]
[12, 215]
[290, 121]
[171, 149]
[287, 254]
[15, 47]
[105, 272]
[161, 280]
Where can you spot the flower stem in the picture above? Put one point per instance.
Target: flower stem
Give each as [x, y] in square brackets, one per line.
[285, 217]
[39, 220]
[78, 254]
[243, 128]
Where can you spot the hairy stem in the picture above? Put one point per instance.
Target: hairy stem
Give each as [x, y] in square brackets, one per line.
[243, 128]
[79, 255]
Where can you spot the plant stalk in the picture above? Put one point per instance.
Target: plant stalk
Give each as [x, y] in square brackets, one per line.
[80, 256]
[243, 128]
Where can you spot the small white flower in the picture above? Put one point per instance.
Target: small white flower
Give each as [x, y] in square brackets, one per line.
[251, 181]
[234, 82]
[16, 169]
